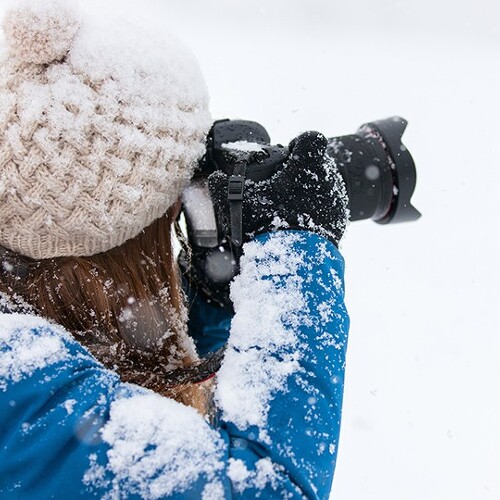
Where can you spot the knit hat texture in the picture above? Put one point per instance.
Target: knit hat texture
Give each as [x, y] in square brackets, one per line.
[101, 126]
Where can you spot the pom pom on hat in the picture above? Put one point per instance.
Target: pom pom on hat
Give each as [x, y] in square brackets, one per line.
[40, 31]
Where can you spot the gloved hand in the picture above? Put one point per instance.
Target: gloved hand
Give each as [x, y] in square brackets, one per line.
[306, 193]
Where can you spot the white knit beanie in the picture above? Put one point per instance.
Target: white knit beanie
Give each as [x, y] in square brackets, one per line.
[101, 126]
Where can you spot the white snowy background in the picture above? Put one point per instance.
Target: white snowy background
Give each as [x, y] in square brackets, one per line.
[422, 408]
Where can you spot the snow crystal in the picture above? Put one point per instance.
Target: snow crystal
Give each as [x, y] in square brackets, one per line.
[28, 343]
[243, 146]
[262, 349]
[7, 266]
[157, 447]
[69, 404]
[265, 473]
[324, 310]
[125, 315]
[372, 172]
[213, 491]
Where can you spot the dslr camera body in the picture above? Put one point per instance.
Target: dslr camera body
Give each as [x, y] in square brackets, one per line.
[377, 169]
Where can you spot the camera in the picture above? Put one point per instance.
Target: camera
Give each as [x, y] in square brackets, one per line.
[377, 169]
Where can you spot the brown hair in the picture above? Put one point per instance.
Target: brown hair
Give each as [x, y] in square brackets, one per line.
[125, 305]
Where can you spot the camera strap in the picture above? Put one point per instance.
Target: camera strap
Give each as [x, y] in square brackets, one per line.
[206, 369]
[235, 190]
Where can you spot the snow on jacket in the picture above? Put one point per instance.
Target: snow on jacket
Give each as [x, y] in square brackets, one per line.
[69, 427]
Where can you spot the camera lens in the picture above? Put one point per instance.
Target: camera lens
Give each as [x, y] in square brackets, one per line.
[378, 171]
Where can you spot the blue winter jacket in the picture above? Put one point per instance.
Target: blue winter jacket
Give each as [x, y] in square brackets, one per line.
[69, 427]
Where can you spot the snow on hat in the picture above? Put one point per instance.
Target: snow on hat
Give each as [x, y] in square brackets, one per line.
[101, 126]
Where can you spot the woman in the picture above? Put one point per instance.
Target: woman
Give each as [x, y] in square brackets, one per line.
[101, 388]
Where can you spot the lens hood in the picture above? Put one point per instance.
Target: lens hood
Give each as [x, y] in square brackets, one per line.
[404, 176]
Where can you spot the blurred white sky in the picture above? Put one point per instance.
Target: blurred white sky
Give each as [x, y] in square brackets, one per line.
[421, 413]
[463, 19]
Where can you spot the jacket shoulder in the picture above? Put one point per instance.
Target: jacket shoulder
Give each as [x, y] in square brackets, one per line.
[29, 343]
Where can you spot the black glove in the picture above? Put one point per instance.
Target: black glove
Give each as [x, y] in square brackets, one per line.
[306, 193]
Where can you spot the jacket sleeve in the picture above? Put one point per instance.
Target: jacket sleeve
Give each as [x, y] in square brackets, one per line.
[70, 428]
[281, 385]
